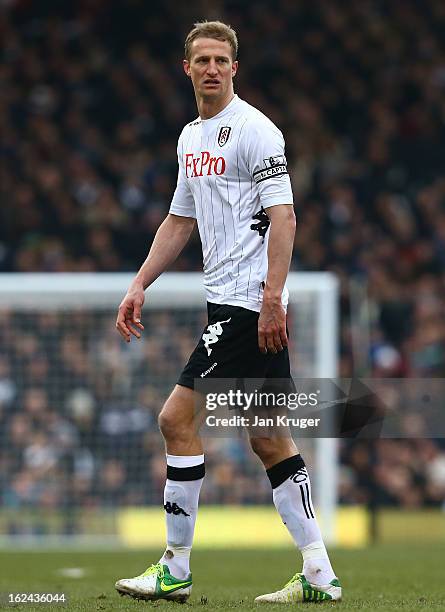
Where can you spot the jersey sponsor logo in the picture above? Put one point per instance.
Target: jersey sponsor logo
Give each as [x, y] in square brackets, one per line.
[275, 165]
[213, 333]
[263, 223]
[204, 164]
[173, 508]
[223, 135]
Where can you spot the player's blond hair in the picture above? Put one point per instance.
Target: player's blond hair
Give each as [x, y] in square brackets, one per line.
[211, 29]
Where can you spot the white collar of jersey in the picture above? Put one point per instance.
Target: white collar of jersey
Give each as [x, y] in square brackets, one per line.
[225, 110]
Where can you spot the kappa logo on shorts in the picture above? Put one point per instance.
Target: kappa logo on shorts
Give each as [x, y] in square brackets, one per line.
[213, 333]
[212, 367]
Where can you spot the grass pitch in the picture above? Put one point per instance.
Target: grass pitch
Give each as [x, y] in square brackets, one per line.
[378, 578]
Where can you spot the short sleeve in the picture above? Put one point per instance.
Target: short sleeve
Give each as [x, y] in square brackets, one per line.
[266, 163]
[182, 203]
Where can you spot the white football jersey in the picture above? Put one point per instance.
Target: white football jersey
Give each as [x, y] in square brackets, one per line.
[232, 167]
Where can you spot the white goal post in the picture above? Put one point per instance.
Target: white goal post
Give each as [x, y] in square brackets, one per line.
[313, 324]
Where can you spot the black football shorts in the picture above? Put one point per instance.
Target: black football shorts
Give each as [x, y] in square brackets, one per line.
[228, 348]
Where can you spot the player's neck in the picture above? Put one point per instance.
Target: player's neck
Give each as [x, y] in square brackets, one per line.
[210, 108]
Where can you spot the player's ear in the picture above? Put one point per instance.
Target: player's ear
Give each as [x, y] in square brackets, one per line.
[186, 66]
[234, 67]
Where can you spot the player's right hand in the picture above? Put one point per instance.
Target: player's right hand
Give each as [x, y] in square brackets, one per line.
[128, 320]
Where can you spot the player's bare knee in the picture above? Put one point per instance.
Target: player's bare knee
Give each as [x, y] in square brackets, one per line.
[167, 424]
[173, 428]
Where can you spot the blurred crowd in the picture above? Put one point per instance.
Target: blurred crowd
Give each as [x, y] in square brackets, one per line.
[92, 99]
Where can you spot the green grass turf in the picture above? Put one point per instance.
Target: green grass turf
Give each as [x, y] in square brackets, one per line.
[379, 578]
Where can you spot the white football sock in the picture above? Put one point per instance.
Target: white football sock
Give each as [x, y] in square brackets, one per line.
[292, 499]
[316, 565]
[185, 475]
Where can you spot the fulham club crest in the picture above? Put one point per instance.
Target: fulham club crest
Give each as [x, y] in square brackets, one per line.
[223, 135]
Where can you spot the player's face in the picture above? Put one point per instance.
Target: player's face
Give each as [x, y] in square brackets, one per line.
[211, 68]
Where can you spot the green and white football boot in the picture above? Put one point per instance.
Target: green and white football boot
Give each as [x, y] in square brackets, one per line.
[299, 590]
[156, 583]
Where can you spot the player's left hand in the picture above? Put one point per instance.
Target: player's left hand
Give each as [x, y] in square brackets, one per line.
[272, 334]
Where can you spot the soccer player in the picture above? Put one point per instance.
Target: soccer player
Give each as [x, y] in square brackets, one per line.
[233, 183]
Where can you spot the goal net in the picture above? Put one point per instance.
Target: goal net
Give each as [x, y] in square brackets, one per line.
[78, 405]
